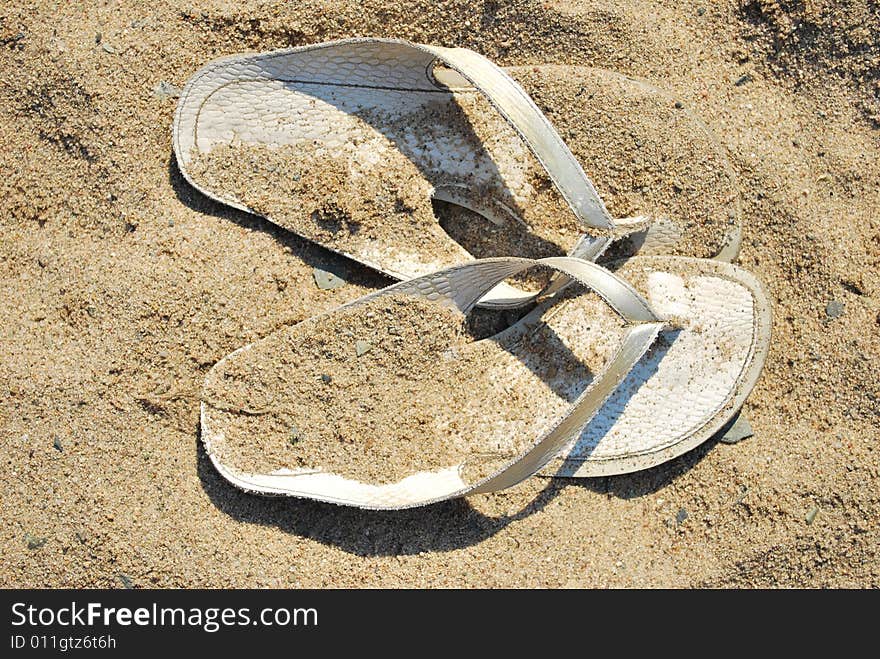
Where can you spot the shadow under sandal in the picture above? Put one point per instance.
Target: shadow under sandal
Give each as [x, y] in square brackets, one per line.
[347, 144]
[386, 402]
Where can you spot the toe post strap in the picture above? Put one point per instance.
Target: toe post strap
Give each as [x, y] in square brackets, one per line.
[520, 111]
[636, 343]
[465, 285]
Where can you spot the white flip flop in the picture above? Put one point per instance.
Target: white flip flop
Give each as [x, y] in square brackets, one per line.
[616, 375]
[346, 143]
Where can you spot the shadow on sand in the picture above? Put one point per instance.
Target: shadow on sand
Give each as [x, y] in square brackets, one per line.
[440, 527]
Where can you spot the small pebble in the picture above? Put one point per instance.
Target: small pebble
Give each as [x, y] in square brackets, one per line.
[327, 281]
[362, 347]
[743, 79]
[326, 379]
[126, 580]
[295, 435]
[166, 90]
[740, 430]
[57, 444]
[679, 105]
[680, 516]
[33, 542]
[811, 516]
[834, 309]
[701, 11]
[107, 48]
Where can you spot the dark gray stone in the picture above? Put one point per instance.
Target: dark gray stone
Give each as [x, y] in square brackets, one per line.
[166, 90]
[327, 281]
[740, 430]
[33, 542]
[834, 309]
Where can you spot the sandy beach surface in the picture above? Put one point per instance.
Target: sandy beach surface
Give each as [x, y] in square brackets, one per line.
[122, 286]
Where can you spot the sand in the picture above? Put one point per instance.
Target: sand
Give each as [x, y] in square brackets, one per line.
[392, 386]
[355, 393]
[122, 287]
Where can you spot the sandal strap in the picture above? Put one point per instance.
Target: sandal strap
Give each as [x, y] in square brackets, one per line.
[462, 286]
[632, 307]
[520, 110]
[635, 344]
[465, 285]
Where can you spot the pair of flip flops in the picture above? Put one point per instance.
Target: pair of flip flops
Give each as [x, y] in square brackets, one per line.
[643, 340]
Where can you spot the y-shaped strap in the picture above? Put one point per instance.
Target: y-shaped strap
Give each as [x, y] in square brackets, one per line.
[464, 285]
[635, 344]
[517, 107]
[538, 133]
[541, 137]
